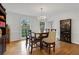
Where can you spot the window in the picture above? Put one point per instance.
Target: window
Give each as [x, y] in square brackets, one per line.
[25, 27]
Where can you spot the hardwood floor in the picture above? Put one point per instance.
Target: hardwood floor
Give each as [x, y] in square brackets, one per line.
[62, 48]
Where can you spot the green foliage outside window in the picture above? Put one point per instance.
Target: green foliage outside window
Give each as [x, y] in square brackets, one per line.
[25, 28]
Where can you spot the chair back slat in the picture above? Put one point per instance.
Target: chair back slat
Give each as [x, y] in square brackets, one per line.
[44, 35]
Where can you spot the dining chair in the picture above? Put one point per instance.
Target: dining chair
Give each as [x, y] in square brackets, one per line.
[50, 40]
[34, 39]
[28, 37]
[43, 35]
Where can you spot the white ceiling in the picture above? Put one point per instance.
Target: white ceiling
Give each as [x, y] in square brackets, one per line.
[33, 9]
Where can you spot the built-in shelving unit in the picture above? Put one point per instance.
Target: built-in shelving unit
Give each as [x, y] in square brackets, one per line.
[2, 29]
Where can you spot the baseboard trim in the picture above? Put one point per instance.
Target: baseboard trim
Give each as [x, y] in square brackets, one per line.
[16, 41]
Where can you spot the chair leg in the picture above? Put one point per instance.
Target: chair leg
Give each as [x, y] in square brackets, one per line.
[49, 48]
[31, 47]
[26, 42]
[54, 47]
[29, 43]
[41, 45]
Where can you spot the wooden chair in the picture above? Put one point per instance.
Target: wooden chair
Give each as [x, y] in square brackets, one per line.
[43, 35]
[33, 41]
[50, 40]
[28, 37]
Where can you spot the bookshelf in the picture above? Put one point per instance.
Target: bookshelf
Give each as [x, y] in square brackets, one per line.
[2, 29]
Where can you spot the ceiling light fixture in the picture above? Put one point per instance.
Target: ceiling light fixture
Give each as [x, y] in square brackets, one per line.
[42, 17]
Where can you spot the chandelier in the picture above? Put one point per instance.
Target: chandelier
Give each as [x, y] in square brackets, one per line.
[42, 17]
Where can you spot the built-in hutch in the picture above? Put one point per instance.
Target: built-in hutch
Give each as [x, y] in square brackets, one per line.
[65, 30]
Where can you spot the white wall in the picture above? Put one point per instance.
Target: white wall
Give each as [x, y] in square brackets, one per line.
[35, 24]
[70, 14]
[14, 22]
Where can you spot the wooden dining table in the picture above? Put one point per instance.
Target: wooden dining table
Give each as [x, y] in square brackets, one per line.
[41, 36]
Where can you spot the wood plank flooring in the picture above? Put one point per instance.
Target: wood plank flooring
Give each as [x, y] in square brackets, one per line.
[62, 48]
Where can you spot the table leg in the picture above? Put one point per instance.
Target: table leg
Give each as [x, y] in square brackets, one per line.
[41, 44]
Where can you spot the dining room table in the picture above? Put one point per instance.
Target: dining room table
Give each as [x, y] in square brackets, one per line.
[40, 37]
